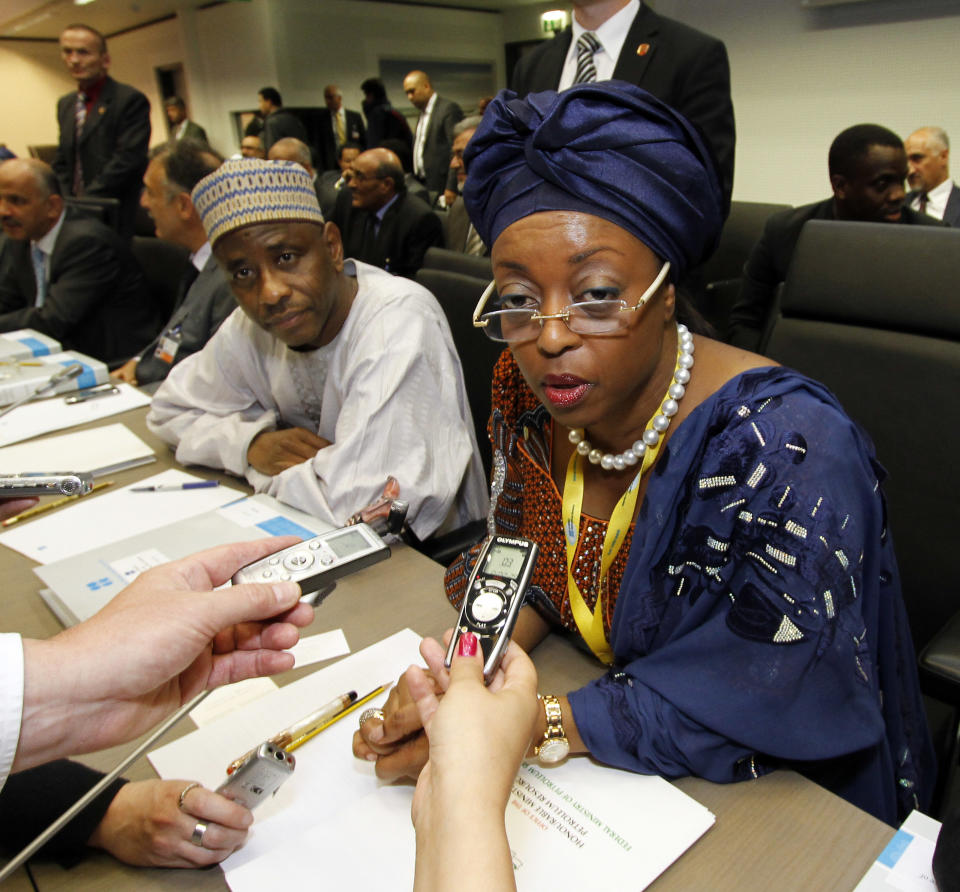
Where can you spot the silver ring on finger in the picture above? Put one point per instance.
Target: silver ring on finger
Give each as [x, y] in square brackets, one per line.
[370, 714]
[184, 792]
[197, 836]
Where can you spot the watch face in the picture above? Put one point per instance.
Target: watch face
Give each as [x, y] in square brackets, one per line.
[553, 750]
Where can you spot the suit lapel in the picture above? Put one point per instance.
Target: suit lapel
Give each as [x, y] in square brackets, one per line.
[547, 74]
[23, 264]
[952, 210]
[639, 47]
[98, 110]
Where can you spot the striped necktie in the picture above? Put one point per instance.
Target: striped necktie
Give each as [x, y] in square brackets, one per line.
[39, 273]
[80, 118]
[587, 46]
[924, 198]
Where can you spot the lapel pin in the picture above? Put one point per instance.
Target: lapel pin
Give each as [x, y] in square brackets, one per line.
[102, 110]
[643, 49]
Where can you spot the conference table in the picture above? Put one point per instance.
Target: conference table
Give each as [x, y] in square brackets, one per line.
[780, 831]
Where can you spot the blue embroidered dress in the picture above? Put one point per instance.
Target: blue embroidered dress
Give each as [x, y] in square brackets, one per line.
[759, 621]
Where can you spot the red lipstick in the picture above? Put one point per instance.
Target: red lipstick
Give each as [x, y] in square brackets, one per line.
[564, 390]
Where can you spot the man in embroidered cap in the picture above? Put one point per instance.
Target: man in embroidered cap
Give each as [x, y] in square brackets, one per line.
[335, 376]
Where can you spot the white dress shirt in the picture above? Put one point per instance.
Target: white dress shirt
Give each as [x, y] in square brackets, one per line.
[387, 392]
[937, 199]
[422, 124]
[11, 700]
[611, 35]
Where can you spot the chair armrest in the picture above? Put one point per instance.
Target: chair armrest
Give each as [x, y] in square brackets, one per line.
[940, 659]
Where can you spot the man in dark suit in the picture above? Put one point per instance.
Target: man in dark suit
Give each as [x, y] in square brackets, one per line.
[434, 135]
[934, 193]
[458, 232]
[277, 121]
[679, 65]
[382, 224]
[204, 298]
[181, 127]
[104, 128]
[338, 126]
[71, 278]
[868, 165]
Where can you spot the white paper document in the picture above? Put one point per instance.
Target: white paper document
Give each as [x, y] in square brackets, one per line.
[222, 701]
[906, 864]
[46, 416]
[111, 516]
[90, 451]
[317, 648]
[561, 822]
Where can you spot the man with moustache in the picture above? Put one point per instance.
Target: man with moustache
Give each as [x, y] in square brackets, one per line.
[933, 192]
[868, 165]
[336, 375]
[104, 127]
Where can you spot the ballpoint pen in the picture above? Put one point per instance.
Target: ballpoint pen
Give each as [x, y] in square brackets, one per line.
[304, 726]
[176, 487]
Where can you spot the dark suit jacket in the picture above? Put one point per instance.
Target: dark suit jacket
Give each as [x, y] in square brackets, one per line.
[408, 229]
[456, 227]
[769, 261]
[194, 131]
[196, 317]
[356, 132]
[279, 124]
[685, 68]
[951, 215]
[112, 147]
[33, 799]
[96, 299]
[438, 143]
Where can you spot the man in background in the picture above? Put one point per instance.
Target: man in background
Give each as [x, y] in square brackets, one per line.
[381, 223]
[204, 298]
[334, 377]
[383, 120]
[868, 165]
[627, 40]
[68, 276]
[338, 127]
[928, 158]
[330, 182]
[277, 121]
[434, 135]
[459, 232]
[181, 127]
[252, 147]
[104, 128]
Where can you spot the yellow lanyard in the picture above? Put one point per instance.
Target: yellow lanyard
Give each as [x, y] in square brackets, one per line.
[591, 624]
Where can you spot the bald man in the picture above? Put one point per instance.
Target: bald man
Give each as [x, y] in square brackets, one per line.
[72, 278]
[433, 139]
[933, 192]
[382, 224]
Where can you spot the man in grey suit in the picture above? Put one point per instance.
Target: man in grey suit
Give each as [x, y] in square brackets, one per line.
[458, 232]
[104, 127]
[434, 135]
[683, 67]
[933, 192]
[204, 299]
[181, 127]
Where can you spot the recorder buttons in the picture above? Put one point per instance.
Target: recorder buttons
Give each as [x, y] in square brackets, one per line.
[487, 606]
[299, 560]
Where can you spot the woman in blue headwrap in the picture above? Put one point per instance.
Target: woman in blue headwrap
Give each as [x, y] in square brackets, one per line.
[710, 523]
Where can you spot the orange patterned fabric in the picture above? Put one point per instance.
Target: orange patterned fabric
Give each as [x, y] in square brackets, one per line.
[530, 506]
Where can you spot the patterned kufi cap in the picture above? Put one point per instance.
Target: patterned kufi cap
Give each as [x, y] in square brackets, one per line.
[243, 191]
[609, 149]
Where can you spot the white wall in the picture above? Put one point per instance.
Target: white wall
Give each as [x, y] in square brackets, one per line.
[800, 76]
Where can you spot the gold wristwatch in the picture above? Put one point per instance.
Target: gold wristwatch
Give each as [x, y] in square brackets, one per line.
[554, 747]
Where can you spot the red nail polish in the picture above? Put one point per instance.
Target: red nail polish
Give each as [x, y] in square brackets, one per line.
[468, 644]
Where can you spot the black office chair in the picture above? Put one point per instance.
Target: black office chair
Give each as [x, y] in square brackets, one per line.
[723, 272]
[106, 210]
[457, 262]
[163, 264]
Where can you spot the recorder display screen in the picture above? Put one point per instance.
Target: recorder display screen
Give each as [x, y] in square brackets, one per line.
[504, 561]
[347, 544]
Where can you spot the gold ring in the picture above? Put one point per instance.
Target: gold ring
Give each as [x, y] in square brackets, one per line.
[370, 714]
[184, 792]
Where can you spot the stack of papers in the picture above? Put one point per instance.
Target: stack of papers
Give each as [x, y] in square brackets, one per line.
[25, 343]
[561, 822]
[19, 380]
[906, 864]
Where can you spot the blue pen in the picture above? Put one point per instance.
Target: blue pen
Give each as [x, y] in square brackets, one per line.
[176, 487]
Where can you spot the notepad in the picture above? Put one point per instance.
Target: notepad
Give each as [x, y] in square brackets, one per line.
[98, 451]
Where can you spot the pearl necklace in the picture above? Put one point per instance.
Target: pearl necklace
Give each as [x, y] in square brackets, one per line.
[657, 425]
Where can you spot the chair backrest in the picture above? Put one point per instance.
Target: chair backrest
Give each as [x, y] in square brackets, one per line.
[458, 294]
[106, 210]
[721, 274]
[873, 311]
[163, 264]
[457, 262]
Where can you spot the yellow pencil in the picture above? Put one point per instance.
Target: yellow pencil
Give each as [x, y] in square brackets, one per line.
[56, 503]
[300, 741]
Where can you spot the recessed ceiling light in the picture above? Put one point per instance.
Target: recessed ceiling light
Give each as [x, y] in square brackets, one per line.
[81, 2]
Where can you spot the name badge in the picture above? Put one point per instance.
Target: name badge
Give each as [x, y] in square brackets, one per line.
[168, 345]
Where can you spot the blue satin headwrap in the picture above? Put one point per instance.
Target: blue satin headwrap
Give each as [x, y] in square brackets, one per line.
[607, 149]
